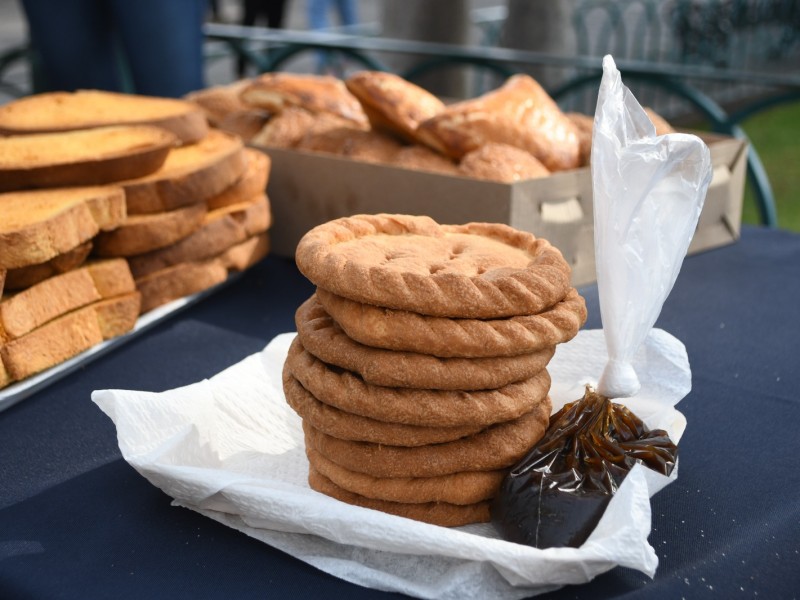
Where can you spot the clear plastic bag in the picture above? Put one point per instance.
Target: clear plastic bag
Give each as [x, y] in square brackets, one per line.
[648, 191]
[648, 194]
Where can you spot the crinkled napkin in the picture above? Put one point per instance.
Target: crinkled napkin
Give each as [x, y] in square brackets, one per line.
[231, 448]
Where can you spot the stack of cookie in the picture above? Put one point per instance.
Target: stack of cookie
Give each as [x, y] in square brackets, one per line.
[419, 368]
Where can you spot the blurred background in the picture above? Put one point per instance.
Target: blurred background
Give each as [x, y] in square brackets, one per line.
[559, 43]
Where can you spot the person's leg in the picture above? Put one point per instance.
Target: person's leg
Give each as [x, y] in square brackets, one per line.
[317, 14]
[347, 11]
[74, 42]
[163, 42]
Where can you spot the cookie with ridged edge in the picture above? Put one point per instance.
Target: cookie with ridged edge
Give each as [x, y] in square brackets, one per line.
[497, 447]
[435, 513]
[432, 408]
[469, 338]
[349, 426]
[322, 337]
[477, 270]
[468, 487]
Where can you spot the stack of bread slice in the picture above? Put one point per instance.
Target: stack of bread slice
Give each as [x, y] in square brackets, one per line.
[111, 205]
[419, 366]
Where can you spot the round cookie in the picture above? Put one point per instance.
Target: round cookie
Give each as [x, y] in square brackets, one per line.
[348, 426]
[432, 408]
[496, 447]
[468, 487]
[435, 513]
[478, 270]
[323, 338]
[467, 338]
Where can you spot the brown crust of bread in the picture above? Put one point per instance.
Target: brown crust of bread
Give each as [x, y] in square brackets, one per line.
[86, 162]
[24, 277]
[35, 306]
[220, 229]
[477, 270]
[220, 161]
[61, 220]
[252, 182]
[184, 119]
[178, 281]
[145, 233]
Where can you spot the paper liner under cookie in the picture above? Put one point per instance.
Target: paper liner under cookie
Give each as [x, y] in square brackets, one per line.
[432, 408]
[496, 447]
[322, 337]
[349, 426]
[467, 487]
[436, 513]
[468, 338]
[478, 270]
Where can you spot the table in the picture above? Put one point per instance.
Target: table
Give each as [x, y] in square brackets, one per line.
[77, 522]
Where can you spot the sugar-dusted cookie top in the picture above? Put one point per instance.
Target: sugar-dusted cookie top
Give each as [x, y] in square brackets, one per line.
[477, 270]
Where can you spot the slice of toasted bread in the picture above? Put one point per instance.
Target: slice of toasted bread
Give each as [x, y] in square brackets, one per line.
[67, 336]
[88, 157]
[53, 297]
[25, 277]
[85, 109]
[245, 254]
[221, 229]
[191, 174]
[250, 184]
[179, 280]
[143, 233]
[36, 226]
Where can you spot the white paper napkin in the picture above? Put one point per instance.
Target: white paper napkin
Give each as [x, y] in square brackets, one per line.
[230, 448]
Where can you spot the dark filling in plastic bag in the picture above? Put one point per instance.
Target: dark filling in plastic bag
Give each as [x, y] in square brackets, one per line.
[556, 495]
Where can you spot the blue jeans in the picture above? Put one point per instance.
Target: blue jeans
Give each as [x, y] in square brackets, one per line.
[154, 45]
[319, 18]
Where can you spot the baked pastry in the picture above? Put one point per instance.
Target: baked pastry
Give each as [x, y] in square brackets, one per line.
[478, 270]
[424, 407]
[219, 101]
[85, 109]
[367, 146]
[519, 113]
[89, 157]
[421, 158]
[276, 92]
[501, 162]
[393, 104]
[447, 338]
[323, 338]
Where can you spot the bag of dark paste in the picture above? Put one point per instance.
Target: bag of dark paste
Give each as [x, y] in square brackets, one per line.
[556, 495]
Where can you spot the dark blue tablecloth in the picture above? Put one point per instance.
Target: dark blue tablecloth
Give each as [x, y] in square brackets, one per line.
[77, 522]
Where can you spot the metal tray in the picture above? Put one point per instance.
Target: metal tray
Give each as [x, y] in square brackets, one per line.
[19, 391]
